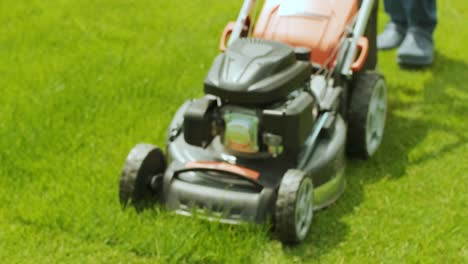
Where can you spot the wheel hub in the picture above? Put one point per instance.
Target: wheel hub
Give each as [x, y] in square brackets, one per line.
[304, 208]
[376, 116]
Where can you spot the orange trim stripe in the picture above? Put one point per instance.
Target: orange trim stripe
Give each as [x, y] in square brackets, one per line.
[223, 166]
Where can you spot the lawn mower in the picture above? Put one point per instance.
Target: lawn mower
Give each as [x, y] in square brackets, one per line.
[285, 102]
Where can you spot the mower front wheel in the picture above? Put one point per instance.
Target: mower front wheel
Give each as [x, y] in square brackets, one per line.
[141, 178]
[294, 207]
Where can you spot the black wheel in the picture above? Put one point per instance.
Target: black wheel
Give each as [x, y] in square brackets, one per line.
[366, 115]
[294, 207]
[140, 181]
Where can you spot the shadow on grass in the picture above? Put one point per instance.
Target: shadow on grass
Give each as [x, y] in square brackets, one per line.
[404, 132]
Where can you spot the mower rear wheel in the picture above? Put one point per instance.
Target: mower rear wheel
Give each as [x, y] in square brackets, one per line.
[141, 178]
[366, 115]
[294, 207]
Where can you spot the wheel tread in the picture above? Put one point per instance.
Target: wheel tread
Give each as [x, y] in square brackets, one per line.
[363, 86]
[143, 161]
[285, 206]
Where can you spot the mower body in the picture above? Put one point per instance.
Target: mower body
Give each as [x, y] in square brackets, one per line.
[224, 182]
[255, 77]
[273, 123]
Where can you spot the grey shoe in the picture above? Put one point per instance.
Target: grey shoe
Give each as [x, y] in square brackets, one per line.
[392, 36]
[417, 49]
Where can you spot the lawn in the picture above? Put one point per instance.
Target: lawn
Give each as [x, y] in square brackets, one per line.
[82, 81]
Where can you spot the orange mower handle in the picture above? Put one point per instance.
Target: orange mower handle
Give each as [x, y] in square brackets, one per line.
[226, 33]
[363, 47]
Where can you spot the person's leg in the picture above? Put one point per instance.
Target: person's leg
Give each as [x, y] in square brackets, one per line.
[396, 10]
[395, 30]
[422, 14]
[418, 47]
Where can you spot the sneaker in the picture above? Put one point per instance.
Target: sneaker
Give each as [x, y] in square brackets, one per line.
[392, 37]
[417, 49]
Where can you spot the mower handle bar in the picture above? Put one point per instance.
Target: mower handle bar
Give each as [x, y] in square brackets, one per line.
[351, 43]
[244, 14]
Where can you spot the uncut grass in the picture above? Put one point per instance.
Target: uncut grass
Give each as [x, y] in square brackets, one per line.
[81, 93]
[82, 82]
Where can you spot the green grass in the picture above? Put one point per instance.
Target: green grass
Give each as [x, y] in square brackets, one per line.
[82, 81]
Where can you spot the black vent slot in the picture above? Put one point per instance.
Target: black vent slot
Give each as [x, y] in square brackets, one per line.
[220, 180]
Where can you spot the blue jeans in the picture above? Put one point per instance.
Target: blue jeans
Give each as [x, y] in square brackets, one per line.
[413, 13]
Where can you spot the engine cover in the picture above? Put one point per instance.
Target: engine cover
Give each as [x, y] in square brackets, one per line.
[254, 71]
